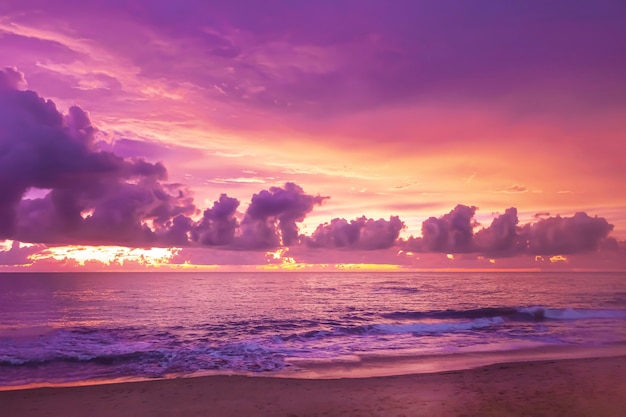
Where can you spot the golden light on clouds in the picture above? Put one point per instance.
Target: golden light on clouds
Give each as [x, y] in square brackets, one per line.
[279, 259]
[367, 267]
[558, 258]
[108, 255]
[261, 112]
[5, 245]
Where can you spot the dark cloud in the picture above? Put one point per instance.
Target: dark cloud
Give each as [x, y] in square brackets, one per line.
[380, 234]
[95, 196]
[485, 51]
[271, 217]
[500, 238]
[218, 224]
[171, 200]
[11, 79]
[361, 233]
[451, 233]
[177, 231]
[565, 235]
[118, 213]
[339, 233]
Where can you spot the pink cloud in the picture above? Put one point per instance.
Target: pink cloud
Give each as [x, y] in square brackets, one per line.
[403, 110]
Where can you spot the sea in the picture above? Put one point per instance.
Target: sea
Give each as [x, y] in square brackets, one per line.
[81, 328]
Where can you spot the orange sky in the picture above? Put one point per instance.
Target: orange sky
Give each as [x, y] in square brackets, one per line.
[390, 111]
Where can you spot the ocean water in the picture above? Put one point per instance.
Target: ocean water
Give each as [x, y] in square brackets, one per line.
[60, 327]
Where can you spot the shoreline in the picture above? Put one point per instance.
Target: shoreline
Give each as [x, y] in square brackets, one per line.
[369, 366]
[565, 387]
[372, 366]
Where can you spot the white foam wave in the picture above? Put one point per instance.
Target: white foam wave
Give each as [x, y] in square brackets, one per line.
[442, 327]
[66, 345]
[572, 313]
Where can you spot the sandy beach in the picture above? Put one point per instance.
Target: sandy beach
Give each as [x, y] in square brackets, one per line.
[594, 387]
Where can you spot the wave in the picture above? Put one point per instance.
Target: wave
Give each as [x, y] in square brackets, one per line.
[396, 289]
[441, 327]
[260, 346]
[534, 313]
[573, 313]
[148, 361]
[396, 328]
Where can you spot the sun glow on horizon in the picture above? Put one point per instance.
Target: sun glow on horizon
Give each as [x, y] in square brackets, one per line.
[279, 261]
[558, 258]
[108, 255]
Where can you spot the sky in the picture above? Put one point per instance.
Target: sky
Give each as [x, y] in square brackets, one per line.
[327, 134]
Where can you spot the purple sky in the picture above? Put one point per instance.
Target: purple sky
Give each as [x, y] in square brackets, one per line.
[349, 131]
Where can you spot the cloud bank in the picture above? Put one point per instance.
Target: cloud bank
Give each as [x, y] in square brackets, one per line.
[95, 197]
[361, 233]
[453, 233]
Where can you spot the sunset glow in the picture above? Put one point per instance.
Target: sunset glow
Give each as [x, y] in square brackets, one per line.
[106, 255]
[489, 135]
[322, 207]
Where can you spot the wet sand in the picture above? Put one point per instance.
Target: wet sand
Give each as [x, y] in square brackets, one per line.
[593, 387]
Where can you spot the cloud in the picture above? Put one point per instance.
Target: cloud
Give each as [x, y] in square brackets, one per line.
[339, 233]
[11, 79]
[565, 235]
[451, 233]
[271, 217]
[95, 196]
[516, 188]
[360, 233]
[18, 254]
[218, 224]
[501, 237]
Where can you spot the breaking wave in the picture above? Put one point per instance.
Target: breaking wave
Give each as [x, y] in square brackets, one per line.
[534, 313]
[149, 359]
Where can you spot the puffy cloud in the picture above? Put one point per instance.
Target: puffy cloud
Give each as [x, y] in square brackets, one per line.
[339, 233]
[177, 231]
[171, 200]
[565, 235]
[380, 234]
[361, 233]
[219, 224]
[501, 237]
[95, 196]
[271, 217]
[11, 79]
[451, 233]
[119, 213]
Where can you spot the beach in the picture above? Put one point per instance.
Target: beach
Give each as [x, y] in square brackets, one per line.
[590, 387]
[312, 344]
